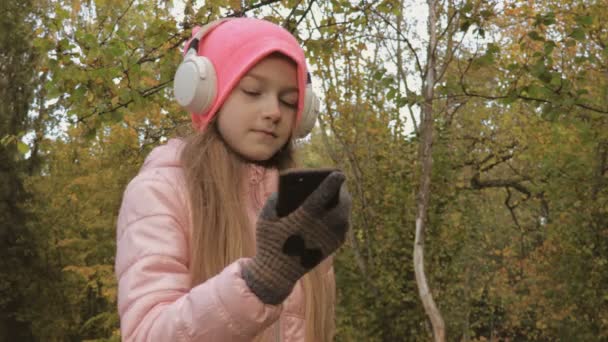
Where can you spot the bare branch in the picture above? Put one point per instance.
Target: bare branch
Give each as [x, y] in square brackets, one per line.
[404, 38]
[291, 13]
[515, 183]
[144, 93]
[305, 12]
[118, 19]
[466, 92]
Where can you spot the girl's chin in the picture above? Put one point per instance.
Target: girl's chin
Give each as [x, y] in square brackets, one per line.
[257, 156]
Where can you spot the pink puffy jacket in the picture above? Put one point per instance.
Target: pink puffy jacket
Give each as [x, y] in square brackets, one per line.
[155, 301]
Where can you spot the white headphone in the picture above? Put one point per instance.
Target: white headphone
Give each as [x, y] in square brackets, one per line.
[195, 84]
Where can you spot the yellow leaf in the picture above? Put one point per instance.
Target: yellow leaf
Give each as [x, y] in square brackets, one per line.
[84, 271]
[149, 81]
[235, 5]
[455, 217]
[75, 7]
[67, 242]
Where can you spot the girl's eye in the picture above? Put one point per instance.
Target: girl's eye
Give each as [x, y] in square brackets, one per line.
[289, 104]
[251, 92]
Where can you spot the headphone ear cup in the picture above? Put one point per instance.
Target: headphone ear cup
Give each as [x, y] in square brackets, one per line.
[309, 113]
[195, 84]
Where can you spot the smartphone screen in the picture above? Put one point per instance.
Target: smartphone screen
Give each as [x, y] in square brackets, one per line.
[295, 185]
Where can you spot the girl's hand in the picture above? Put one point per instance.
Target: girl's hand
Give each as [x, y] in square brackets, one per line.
[290, 246]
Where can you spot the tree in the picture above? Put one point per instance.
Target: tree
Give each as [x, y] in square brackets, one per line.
[17, 60]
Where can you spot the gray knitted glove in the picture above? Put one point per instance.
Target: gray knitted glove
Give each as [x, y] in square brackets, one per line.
[288, 247]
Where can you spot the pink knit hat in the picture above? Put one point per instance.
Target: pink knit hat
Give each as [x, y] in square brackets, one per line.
[235, 46]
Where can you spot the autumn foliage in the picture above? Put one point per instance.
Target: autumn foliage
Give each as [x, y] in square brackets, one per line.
[516, 245]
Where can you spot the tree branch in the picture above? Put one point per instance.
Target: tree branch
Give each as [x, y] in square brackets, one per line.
[118, 19]
[144, 93]
[405, 40]
[514, 183]
[519, 96]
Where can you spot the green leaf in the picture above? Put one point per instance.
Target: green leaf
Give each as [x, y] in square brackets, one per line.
[568, 101]
[493, 48]
[61, 13]
[485, 60]
[513, 66]
[546, 19]
[388, 81]
[64, 44]
[465, 24]
[545, 76]
[90, 133]
[378, 74]
[584, 20]
[509, 99]
[22, 147]
[556, 79]
[549, 111]
[402, 102]
[535, 91]
[578, 34]
[89, 39]
[7, 139]
[116, 116]
[549, 19]
[538, 68]
[549, 47]
[115, 50]
[535, 36]
[486, 13]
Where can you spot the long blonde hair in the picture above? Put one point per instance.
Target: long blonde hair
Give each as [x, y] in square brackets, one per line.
[221, 229]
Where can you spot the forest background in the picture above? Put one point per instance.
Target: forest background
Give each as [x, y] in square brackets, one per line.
[507, 98]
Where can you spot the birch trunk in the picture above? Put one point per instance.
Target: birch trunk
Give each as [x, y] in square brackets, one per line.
[426, 161]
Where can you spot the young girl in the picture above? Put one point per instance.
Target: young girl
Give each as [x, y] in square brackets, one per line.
[201, 253]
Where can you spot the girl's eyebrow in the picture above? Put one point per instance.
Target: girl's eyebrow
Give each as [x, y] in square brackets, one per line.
[265, 79]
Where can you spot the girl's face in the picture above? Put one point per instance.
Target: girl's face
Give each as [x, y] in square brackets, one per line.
[257, 118]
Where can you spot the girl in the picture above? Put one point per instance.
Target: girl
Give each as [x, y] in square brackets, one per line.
[201, 253]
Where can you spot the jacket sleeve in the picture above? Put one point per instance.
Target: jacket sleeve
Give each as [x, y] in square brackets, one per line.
[155, 301]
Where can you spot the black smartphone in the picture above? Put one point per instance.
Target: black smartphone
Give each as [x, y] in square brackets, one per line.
[295, 185]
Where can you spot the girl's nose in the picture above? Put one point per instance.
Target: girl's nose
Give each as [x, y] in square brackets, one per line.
[271, 108]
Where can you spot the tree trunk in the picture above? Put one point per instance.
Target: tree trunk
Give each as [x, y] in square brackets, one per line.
[426, 161]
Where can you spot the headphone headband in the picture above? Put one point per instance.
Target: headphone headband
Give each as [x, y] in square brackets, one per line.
[202, 32]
